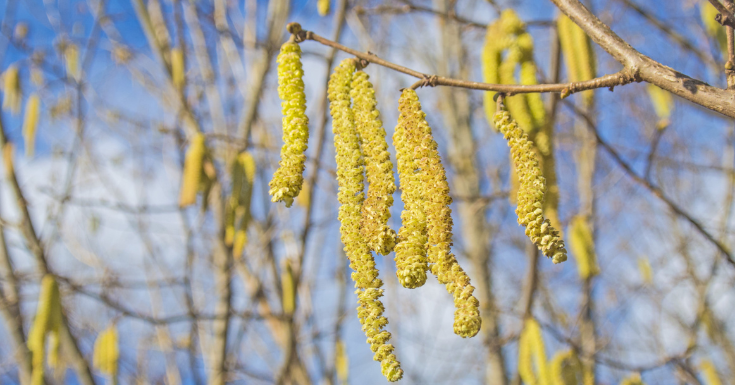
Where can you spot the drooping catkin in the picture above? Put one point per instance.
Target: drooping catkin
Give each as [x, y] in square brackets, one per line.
[107, 352]
[178, 71]
[411, 260]
[633, 379]
[350, 178]
[71, 59]
[378, 167]
[708, 12]
[288, 288]
[436, 201]
[288, 179]
[238, 207]
[323, 6]
[644, 268]
[565, 369]
[531, 191]
[192, 173]
[532, 354]
[341, 362]
[663, 104]
[30, 123]
[492, 56]
[582, 244]
[709, 372]
[579, 57]
[47, 320]
[12, 92]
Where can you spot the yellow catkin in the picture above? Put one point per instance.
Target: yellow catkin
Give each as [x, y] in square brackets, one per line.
[288, 288]
[663, 104]
[178, 70]
[350, 178]
[492, 56]
[107, 352]
[30, 123]
[709, 372]
[579, 56]
[304, 197]
[71, 58]
[531, 191]
[288, 179]
[582, 244]
[238, 206]
[378, 167]
[12, 93]
[633, 379]
[708, 12]
[323, 6]
[341, 362]
[436, 201]
[47, 320]
[565, 369]
[532, 365]
[644, 268]
[411, 259]
[192, 175]
[8, 151]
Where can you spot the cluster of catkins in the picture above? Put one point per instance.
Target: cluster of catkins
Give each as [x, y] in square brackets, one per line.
[423, 242]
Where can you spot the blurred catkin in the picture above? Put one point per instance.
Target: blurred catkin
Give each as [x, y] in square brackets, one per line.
[178, 71]
[350, 178]
[47, 321]
[531, 191]
[436, 201]
[107, 352]
[709, 372]
[30, 123]
[238, 206]
[663, 104]
[71, 58]
[323, 6]
[532, 354]
[644, 268]
[708, 12]
[378, 167]
[288, 288]
[192, 175]
[12, 92]
[633, 379]
[288, 179]
[579, 56]
[565, 369]
[582, 244]
[341, 362]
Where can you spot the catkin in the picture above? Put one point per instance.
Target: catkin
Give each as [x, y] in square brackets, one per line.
[663, 104]
[30, 123]
[288, 179]
[492, 56]
[579, 56]
[178, 72]
[12, 90]
[323, 6]
[378, 167]
[633, 379]
[47, 320]
[436, 201]
[708, 12]
[341, 362]
[192, 175]
[238, 207]
[288, 288]
[107, 352]
[709, 372]
[532, 354]
[565, 369]
[71, 57]
[350, 178]
[531, 191]
[644, 268]
[582, 244]
[411, 259]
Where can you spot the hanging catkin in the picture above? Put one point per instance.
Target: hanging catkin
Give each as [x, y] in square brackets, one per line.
[709, 372]
[436, 201]
[531, 191]
[30, 123]
[178, 71]
[350, 178]
[633, 379]
[708, 12]
[12, 93]
[341, 362]
[71, 58]
[582, 244]
[565, 369]
[47, 321]
[579, 56]
[192, 173]
[107, 352]
[323, 6]
[288, 288]
[238, 206]
[532, 354]
[378, 167]
[288, 179]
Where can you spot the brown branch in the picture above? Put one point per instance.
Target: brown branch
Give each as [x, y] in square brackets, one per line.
[725, 17]
[608, 81]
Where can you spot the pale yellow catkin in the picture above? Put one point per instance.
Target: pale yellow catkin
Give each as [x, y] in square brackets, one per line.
[323, 6]
[288, 288]
[12, 93]
[565, 369]
[107, 352]
[71, 57]
[178, 70]
[238, 207]
[644, 268]
[341, 362]
[30, 123]
[532, 365]
[582, 244]
[709, 372]
[579, 57]
[708, 12]
[47, 320]
[633, 379]
[192, 173]
[663, 104]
